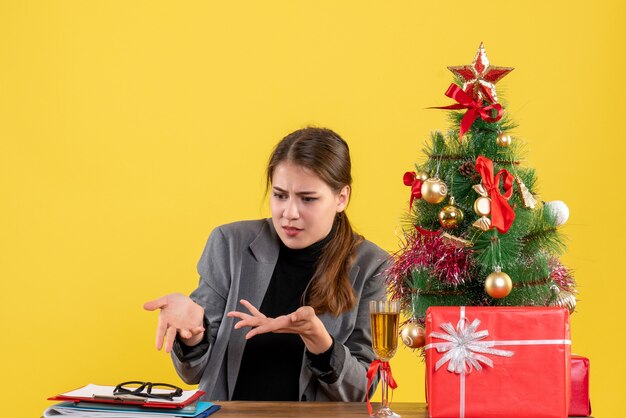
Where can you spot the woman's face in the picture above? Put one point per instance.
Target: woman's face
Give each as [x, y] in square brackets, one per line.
[303, 206]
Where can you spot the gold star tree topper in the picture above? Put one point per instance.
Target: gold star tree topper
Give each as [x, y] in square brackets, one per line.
[480, 77]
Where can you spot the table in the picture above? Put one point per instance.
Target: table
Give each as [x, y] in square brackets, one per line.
[314, 409]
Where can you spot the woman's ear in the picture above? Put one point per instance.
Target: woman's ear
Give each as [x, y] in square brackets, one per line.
[343, 198]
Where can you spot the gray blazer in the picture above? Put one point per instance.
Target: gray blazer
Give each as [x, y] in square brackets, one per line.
[237, 263]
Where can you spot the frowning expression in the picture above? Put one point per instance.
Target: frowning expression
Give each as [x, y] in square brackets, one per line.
[303, 206]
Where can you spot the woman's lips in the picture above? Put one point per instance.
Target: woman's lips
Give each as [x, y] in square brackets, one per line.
[291, 231]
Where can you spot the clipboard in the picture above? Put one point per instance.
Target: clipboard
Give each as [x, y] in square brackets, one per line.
[104, 394]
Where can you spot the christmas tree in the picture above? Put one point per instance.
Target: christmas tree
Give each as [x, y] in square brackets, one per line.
[476, 232]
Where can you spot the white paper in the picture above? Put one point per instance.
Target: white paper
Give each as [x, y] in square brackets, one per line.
[92, 390]
[55, 411]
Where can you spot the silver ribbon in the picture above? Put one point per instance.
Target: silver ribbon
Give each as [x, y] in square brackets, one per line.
[465, 349]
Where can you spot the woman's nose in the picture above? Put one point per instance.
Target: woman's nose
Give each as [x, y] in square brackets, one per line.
[291, 210]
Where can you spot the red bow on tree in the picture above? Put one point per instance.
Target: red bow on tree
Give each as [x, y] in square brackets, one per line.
[426, 232]
[373, 371]
[502, 214]
[474, 108]
[410, 179]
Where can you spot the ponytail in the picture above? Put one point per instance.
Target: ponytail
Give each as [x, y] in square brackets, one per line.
[331, 290]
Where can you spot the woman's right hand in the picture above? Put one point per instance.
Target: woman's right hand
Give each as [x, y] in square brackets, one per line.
[179, 314]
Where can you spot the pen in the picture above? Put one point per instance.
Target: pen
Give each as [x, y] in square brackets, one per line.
[120, 397]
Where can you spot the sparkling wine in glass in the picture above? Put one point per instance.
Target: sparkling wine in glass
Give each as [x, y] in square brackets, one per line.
[384, 318]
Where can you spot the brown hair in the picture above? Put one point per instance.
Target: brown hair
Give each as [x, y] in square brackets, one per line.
[327, 155]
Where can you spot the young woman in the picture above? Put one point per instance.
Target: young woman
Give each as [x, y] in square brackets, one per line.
[281, 311]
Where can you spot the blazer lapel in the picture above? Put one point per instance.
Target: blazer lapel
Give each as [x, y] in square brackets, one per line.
[256, 272]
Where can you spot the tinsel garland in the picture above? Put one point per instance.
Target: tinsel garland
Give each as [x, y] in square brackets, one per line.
[450, 264]
[561, 275]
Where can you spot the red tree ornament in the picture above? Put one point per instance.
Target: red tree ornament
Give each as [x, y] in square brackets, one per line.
[410, 178]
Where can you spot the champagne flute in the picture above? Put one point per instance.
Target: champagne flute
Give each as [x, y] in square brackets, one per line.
[384, 317]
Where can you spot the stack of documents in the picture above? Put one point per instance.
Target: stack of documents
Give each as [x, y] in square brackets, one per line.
[99, 401]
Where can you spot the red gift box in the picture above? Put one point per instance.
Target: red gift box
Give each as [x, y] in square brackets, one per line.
[580, 405]
[497, 362]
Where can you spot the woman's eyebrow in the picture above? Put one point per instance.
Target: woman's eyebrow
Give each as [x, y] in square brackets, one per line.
[302, 193]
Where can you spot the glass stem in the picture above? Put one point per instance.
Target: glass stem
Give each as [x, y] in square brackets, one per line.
[385, 389]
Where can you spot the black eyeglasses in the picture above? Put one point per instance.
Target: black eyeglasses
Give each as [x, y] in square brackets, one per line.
[144, 390]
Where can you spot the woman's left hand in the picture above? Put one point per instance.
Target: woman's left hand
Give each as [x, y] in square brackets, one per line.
[303, 322]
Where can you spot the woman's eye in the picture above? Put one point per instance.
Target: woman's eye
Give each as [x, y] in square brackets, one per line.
[280, 196]
[309, 199]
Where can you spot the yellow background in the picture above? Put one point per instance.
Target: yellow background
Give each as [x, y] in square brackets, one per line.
[129, 129]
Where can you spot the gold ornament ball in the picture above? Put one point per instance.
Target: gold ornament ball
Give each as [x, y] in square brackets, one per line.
[423, 176]
[482, 206]
[498, 285]
[413, 335]
[503, 140]
[434, 190]
[450, 216]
